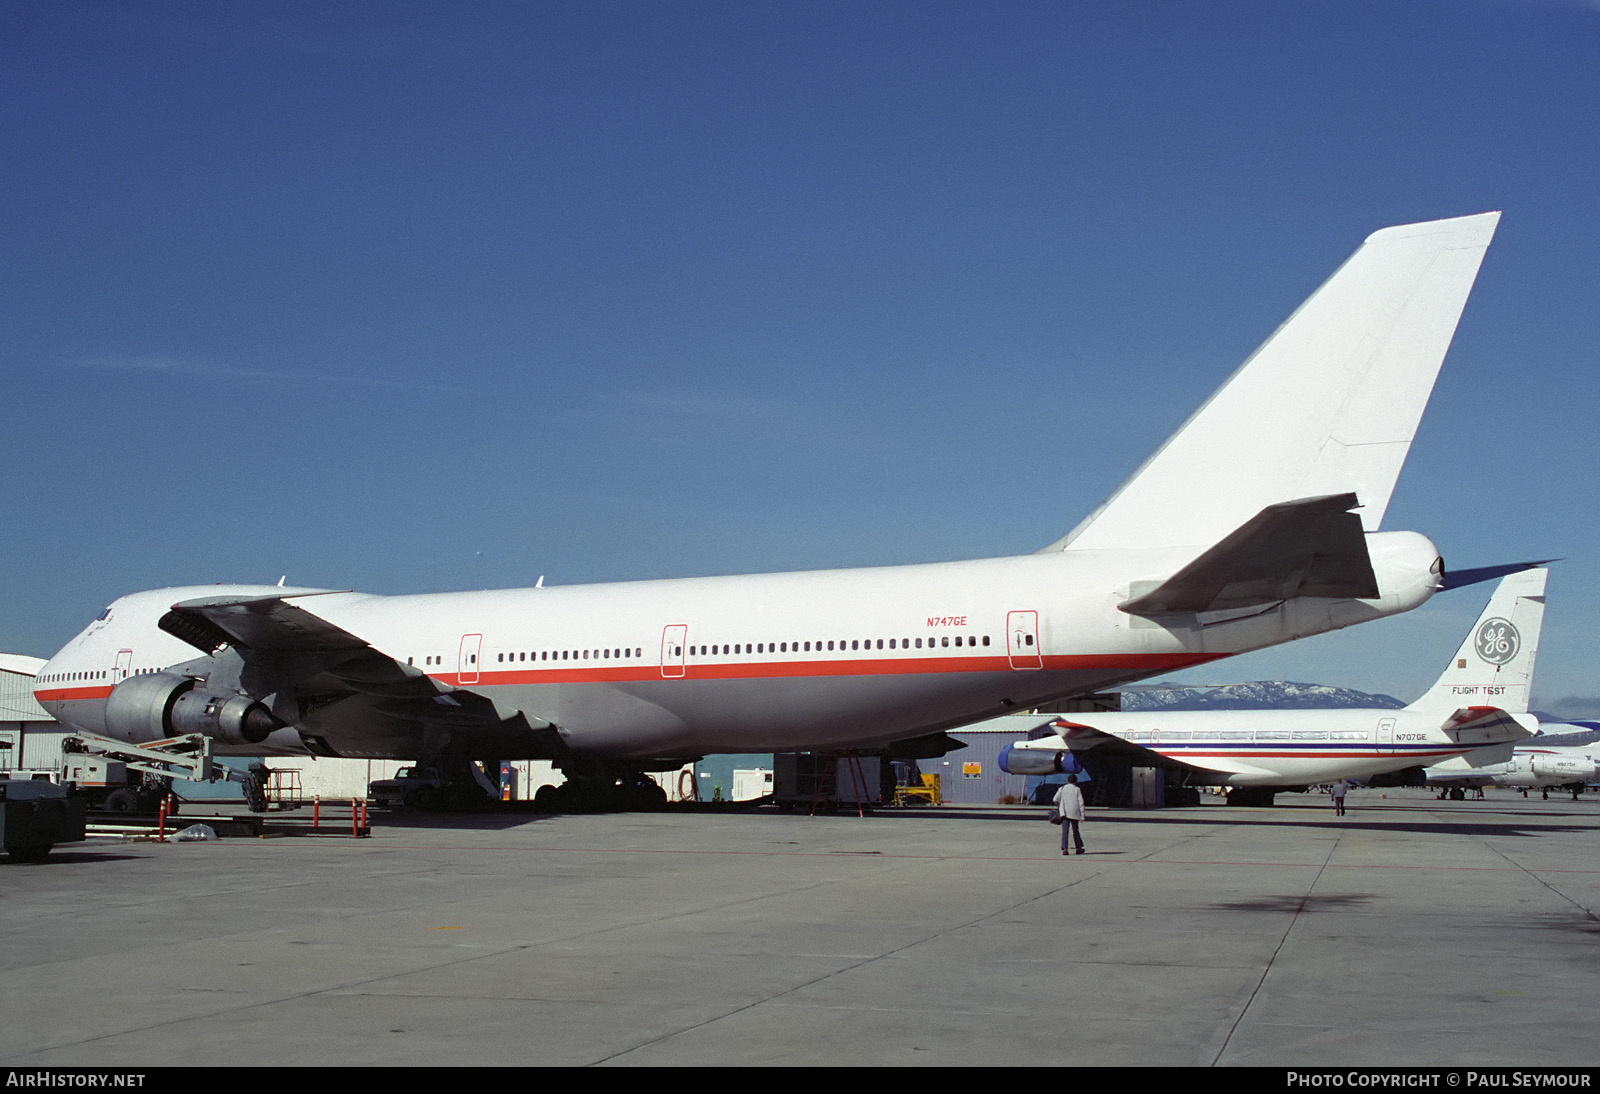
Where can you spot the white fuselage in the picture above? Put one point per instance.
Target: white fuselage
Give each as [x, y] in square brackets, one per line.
[824, 659]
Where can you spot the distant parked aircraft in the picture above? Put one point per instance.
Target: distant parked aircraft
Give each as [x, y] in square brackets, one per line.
[1480, 700]
[1563, 754]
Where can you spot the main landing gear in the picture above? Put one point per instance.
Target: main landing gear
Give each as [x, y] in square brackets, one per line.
[602, 789]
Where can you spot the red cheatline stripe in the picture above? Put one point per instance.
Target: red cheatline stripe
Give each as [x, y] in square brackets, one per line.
[65, 694]
[568, 673]
[886, 666]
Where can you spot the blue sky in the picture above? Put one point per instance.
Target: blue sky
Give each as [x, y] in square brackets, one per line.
[404, 297]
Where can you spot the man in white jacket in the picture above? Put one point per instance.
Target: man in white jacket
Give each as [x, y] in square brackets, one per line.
[1069, 807]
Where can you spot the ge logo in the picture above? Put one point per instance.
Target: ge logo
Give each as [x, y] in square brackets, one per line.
[1497, 641]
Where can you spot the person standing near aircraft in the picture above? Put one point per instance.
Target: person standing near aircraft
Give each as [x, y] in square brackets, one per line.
[1069, 810]
[1337, 793]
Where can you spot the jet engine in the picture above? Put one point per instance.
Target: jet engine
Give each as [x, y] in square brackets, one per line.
[1038, 761]
[1566, 769]
[164, 704]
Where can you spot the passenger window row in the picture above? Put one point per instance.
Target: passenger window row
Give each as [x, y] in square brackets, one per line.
[958, 641]
[634, 652]
[842, 644]
[573, 655]
[64, 677]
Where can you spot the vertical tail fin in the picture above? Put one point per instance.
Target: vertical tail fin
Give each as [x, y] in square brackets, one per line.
[1498, 652]
[1328, 404]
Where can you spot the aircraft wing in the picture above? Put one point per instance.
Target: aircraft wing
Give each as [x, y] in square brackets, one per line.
[1077, 737]
[300, 663]
[256, 622]
[1309, 547]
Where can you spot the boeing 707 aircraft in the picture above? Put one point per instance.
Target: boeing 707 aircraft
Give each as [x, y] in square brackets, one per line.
[1478, 708]
[1256, 523]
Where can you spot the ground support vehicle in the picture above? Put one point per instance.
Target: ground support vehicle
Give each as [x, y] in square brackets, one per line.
[410, 787]
[126, 778]
[35, 815]
[423, 787]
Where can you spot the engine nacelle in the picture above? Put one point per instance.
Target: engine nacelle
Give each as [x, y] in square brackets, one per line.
[236, 719]
[1038, 761]
[1567, 769]
[163, 704]
[139, 709]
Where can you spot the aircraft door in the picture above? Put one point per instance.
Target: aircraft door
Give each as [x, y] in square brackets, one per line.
[123, 667]
[1022, 640]
[674, 639]
[1385, 733]
[467, 669]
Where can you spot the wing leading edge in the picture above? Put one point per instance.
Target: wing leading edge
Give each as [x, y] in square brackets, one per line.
[301, 665]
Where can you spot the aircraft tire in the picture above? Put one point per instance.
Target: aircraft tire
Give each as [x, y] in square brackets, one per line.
[644, 796]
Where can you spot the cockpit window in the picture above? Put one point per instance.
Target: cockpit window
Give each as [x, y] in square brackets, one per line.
[102, 616]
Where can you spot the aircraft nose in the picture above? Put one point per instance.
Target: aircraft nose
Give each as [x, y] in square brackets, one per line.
[44, 685]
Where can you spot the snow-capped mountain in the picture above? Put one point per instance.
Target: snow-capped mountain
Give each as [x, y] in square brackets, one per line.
[1255, 695]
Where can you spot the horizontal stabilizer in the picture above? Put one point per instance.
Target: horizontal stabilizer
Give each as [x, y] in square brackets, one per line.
[1483, 726]
[1457, 579]
[1311, 547]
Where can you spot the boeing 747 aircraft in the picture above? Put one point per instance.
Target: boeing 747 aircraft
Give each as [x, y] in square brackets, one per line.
[1256, 523]
[1478, 707]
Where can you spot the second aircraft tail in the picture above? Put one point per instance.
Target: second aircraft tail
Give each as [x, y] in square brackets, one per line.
[1494, 666]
